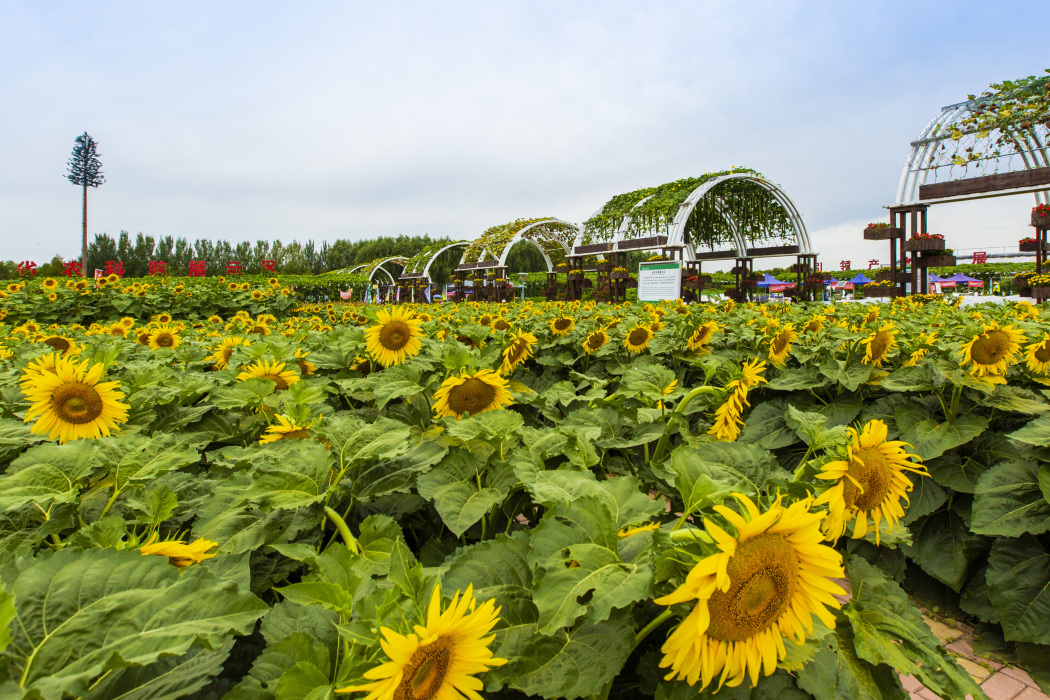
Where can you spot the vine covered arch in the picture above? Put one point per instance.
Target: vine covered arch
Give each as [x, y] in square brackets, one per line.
[996, 141]
[419, 265]
[552, 237]
[739, 208]
[370, 269]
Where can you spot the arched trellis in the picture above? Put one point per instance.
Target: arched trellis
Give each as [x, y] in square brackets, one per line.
[419, 266]
[1000, 132]
[673, 234]
[550, 236]
[376, 265]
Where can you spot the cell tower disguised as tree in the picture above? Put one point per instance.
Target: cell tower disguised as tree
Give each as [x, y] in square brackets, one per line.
[85, 170]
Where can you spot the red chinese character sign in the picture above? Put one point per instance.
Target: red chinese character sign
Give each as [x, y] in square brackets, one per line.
[26, 267]
[233, 268]
[158, 267]
[114, 268]
[197, 268]
[72, 269]
[980, 257]
[818, 267]
[844, 265]
[267, 265]
[873, 263]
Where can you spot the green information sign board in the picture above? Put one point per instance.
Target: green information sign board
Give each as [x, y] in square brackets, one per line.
[659, 281]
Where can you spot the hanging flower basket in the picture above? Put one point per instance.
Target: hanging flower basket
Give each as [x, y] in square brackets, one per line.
[604, 266]
[694, 284]
[1040, 292]
[620, 275]
[749, 284]
[1029, 246]
[1040, 220]
[882, 233]
[920, 244]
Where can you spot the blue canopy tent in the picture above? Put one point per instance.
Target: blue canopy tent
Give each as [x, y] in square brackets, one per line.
[774, 284]
[860, 279]
[963, 279]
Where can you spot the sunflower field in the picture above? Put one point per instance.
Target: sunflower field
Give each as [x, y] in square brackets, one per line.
[83, 301]
[563, 500]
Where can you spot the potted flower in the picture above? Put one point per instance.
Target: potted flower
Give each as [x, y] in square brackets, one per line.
[604, 265]
[620, 273]
[885, 288]
[1028, 245]
[1041, 216]
[1022, 284]
[1040, 286]
[881, 231]
[924, 241]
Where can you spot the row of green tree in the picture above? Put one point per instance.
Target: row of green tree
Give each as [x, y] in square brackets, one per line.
[135, 254]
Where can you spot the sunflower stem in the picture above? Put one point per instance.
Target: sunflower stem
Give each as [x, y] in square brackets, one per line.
[954, 408]
[344, 531]
[658, 453]
[110, 502]
[648, 629]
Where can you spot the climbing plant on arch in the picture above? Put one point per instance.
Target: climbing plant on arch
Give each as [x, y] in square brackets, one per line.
[553, 237]
[419, 264]
[739, 207]
[369, 269]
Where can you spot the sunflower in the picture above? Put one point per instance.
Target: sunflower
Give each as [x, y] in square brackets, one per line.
[259, 328]
[780, 345]
[702, 336]
[50, 283]
[221, 355]
[562, 325]
[246, 286]
[814, 325]
[70, 402]
[595, 342]
[305, 366]
[52, 297]
[287, 430]
[178, 552]
[440, 659]
[920, 351]
[879, 344]
[727, 421]
[62, 344]
[164, 337]
[395, 337]
[517, 351]
[1037, 355]
[870, 481]
[638, 339]
[767, 582]
[501, 324]
[162, 318]
[272, 370]
[993, 350]
[484, 391]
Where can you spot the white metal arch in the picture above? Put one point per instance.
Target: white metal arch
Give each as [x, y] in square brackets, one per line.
[676, 231]
[379, 266]
[924, 148]
[426, 268]
[676, 234]
[522, 234]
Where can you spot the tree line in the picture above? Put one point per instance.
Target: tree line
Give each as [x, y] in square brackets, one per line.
[135, 253]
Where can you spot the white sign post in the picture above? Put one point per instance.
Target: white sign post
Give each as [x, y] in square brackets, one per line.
[659, 281]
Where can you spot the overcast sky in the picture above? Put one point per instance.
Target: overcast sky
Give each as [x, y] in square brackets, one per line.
[330, 120]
